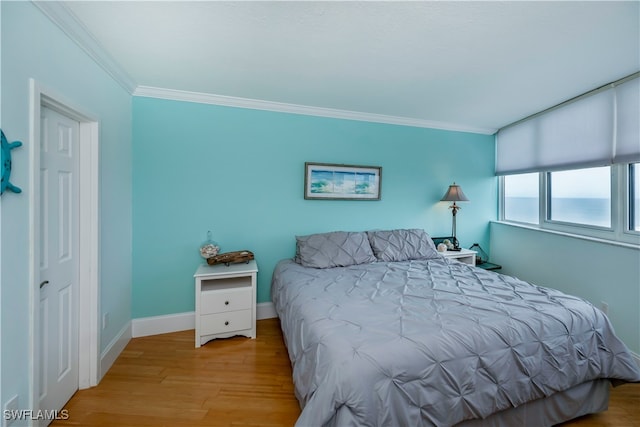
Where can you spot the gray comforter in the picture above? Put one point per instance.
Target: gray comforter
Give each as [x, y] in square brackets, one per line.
[434, 342]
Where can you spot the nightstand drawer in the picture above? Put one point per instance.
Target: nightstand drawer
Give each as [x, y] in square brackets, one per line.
[220, 301]
[225, 322]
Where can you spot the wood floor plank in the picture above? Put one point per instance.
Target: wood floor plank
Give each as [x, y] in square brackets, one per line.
[164, 380]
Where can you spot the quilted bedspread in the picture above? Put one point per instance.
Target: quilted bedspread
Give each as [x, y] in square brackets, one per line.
[434, 342]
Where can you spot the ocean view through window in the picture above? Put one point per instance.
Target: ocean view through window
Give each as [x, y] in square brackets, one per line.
[581, 196]
[598, 202]
[521, 198]
[590, 211]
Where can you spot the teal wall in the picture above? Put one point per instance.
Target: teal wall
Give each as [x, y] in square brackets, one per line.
[592, 270]
[33, 47]
[240, 172]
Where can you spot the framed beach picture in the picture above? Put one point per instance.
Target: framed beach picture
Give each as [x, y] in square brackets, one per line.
[341, 182]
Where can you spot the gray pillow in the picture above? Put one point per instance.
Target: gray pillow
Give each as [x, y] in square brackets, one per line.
[334, 249]
[402, 245]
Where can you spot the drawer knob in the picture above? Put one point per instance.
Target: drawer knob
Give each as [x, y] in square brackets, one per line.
[226, 303]
[226, 323]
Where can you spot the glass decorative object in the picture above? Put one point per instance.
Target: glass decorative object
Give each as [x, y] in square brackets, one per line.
[481, 255]
[209, 248]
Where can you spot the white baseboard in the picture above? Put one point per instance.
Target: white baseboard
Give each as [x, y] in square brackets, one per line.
[265, 310]
[113, 350]
[155, 325]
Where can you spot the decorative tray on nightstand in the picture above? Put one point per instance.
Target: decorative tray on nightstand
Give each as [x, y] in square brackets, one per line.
[231, 258]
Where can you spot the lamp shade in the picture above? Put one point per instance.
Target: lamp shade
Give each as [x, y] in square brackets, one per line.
[454, 194]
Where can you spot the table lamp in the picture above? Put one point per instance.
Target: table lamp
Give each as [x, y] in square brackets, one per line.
[454, 194]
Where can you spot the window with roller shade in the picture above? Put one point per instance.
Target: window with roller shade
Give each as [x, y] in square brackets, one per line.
[574, 167]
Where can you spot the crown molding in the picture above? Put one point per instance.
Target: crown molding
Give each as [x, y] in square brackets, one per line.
[60, 15]
[256, 104]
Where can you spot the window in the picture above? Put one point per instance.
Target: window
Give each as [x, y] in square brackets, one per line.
[634, 196]
[581, 196]
[522, 198]
[596, 202]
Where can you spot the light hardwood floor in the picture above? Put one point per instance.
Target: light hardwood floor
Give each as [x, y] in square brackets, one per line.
[164, 380]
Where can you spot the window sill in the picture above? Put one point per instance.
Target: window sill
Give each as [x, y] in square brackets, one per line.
[572, 235]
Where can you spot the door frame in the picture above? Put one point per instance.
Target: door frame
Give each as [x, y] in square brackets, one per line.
[88, 227]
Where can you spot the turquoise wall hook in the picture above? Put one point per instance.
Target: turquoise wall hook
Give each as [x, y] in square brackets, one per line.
[6, 164]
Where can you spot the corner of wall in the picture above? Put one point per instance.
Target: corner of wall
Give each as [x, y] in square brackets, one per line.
[114, 349]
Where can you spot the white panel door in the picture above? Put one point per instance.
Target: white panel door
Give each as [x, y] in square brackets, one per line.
[58, 246]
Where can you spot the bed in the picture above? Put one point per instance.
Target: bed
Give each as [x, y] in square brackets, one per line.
[382, 330]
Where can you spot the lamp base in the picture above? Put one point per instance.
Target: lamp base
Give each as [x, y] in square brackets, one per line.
[456, 244]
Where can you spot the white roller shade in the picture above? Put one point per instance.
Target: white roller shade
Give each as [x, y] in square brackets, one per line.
[516, 148]
[627, 148]
[597, 129]
[579, 134]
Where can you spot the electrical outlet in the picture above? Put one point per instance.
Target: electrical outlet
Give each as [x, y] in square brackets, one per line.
[10, 407]
[105, 320]
[604, 306]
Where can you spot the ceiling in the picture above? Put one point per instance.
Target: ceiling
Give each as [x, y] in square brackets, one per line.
[469, 65]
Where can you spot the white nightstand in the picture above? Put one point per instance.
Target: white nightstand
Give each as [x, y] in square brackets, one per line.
[225, 301]
[463, 255]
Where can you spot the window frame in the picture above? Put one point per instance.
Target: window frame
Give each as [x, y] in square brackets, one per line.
[630, 199]
[620, 230]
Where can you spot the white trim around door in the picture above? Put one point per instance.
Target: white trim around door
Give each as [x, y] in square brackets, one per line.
[89, 271]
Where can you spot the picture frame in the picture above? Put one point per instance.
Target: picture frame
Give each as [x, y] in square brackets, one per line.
[330, 181]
